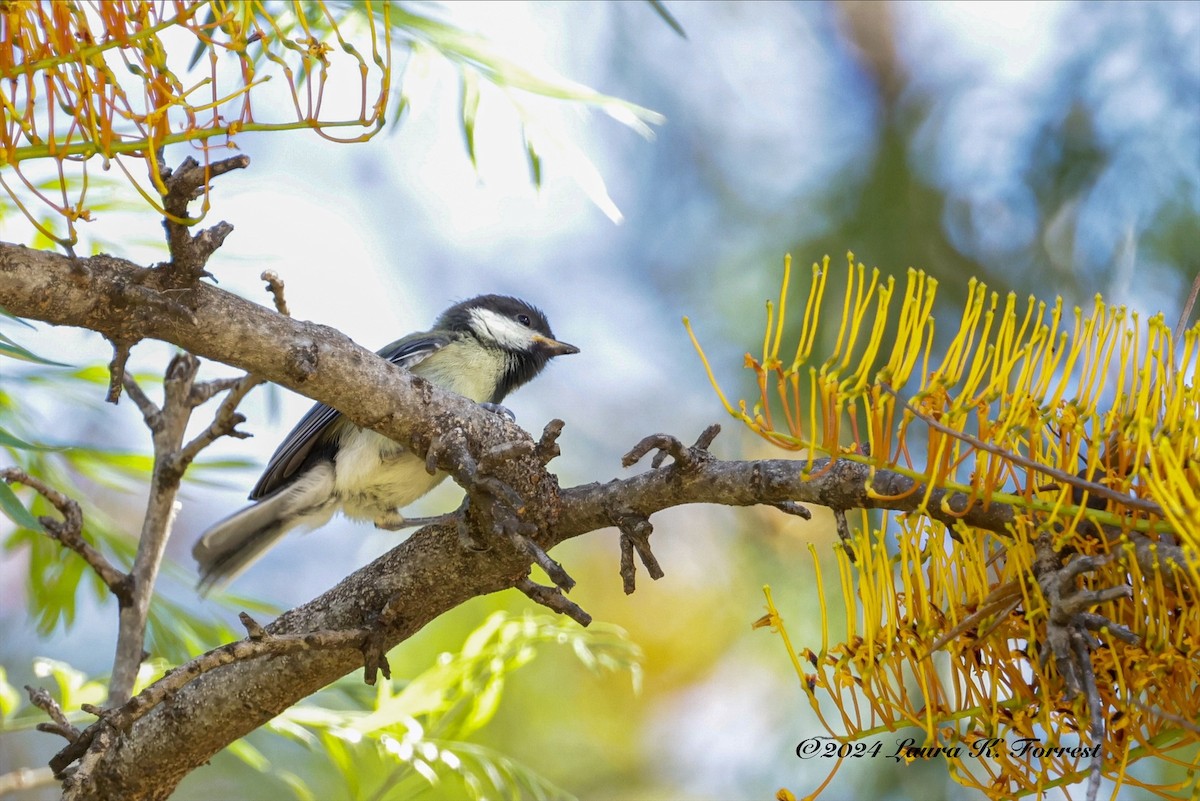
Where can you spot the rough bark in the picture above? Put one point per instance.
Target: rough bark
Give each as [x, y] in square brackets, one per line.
[426, 575]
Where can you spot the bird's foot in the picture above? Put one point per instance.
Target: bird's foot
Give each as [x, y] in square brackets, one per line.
[503, 411]
[394, 521]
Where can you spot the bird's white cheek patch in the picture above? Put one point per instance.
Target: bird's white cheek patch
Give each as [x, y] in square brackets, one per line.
[506, 333]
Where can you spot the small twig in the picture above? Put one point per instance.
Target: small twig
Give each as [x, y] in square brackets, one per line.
[224, 423]
[843, 532]
[707, 436]
[69, 531]
[635, 536]
[149, 409]
[205, 391]
[1000, 602]
[269, 645]
[667, 445]
[1178, 720]
[168, 425]
[504, 452]
[519, 533]
[208, 241]
[1186, 312]
[1067, 637]
[188, 181]
[547, 446]
[635, 528]
[275, 287]
[792, 508]
[45, 702]
[628, 569]
[374, 651]
[1070, 479]
[116, 371]
[664, 444]
[99, 744]
[254, 629]
[552, 598]
[375, 644]
[500, 501]
[1096, 727]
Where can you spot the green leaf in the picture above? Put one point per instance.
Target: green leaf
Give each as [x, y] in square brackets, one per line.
[341, 756]
[228, 463]
[293, 730]
[98, 374]
[426, 770]
[250, 755]
[9, 441]
[478, 638]
[9, 315]
[74, 688]
[10, 699]
[484, 709]
[476, 52]
[470, 109]
[15, 351]
[41, 240]
[660, 8]
[15, 511]
[297, 785]
[535, 163]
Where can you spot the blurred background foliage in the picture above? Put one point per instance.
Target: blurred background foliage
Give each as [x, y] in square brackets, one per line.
[1045, 149]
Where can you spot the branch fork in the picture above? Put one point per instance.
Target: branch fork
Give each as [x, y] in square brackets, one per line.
[685, 458]
[492, 502]
[1068, 634]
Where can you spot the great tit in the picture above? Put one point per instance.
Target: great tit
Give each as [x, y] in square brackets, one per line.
[483, 348]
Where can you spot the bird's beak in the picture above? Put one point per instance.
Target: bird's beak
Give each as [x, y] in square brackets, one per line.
[553, 346]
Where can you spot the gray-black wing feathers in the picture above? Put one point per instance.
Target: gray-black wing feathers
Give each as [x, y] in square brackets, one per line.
[298, 445]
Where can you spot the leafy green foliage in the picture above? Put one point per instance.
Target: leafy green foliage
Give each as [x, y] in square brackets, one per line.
[484, 69]
[10, 699]
[403, 738]
[73, 686]
[12, 507]
[87, 473]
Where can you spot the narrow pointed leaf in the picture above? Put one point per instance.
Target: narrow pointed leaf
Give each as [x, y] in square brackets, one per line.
[12, 507]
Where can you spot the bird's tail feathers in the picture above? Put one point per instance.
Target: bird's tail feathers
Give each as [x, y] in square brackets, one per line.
[227, 549]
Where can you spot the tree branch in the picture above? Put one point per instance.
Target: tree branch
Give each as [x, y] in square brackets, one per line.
[167, 425]
[45, 702]
[69, 532]
[430, 573]
[185, 183]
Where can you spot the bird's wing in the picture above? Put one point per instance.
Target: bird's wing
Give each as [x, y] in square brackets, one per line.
[298, 445]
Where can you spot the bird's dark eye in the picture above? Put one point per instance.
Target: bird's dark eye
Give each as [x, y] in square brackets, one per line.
[524, 320]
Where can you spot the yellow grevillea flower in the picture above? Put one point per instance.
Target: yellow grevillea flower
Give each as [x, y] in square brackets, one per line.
[1084, 428]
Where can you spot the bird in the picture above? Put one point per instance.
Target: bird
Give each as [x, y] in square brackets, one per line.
[482, 348]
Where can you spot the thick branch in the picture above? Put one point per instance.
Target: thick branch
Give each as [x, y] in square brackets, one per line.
[419, 580]
[431, 572]
[312, 359]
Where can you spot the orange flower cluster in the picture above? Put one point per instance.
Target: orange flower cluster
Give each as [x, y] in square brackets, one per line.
[113, 79]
